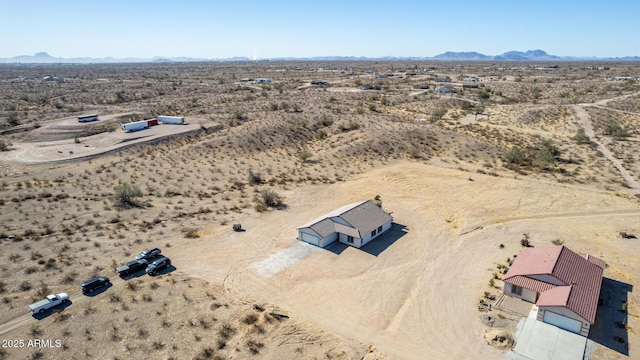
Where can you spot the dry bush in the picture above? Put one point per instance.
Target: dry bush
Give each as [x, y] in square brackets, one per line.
[191, 233]
[268, 199]
[125, 194]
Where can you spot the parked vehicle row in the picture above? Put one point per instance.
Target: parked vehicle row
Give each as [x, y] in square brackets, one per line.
[141, 261]
[144, 261]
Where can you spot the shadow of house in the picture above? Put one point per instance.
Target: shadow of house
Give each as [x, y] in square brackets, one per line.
[610, 328]
[385, 240]
[337, 247]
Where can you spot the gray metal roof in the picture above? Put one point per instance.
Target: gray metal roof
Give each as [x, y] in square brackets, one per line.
[366, 217]
[363, 217]
[324, 227]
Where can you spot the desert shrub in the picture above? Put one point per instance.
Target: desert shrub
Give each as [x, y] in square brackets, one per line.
[321, 134]
[326, 121]
[125, 194]
[4, 145]
[546, 154]
[25, 286]
[191, 233]
[437, 114]
[270, 198]
[250, 319]
[206, 353]
[12, 119]
[581, 137]
[557, 242]
[226, 331]
[254, 346]
[514, 156]
[255, 178]
[616, 131]
[351, 126]
[484, 95]
[525, 240]
[238, 115]
[305, 155]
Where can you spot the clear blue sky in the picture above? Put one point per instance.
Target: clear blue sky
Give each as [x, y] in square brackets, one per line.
[279, 28]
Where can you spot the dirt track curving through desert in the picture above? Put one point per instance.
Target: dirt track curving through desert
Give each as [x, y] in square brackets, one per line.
[76, 298]
[584, 121]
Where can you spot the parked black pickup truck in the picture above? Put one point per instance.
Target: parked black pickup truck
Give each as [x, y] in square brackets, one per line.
[132, 266]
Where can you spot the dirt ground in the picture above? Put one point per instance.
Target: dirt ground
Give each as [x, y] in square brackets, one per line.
[460, 208]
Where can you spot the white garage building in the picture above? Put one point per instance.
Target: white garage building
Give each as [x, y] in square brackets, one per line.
[354, 224]
[563, 284]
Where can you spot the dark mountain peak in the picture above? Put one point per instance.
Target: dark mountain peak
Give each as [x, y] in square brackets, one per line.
[536, 53]
[529, 55]
[42, 55]
[467, 55]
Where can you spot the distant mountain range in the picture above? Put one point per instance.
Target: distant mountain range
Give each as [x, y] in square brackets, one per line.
[529, 55]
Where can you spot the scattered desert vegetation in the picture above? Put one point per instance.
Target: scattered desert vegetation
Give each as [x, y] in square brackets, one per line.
[257, 150]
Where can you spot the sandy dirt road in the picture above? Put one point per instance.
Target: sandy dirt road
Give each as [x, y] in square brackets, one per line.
[585, 122]
[76, 297]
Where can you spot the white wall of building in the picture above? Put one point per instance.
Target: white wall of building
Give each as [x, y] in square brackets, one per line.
[527, 295]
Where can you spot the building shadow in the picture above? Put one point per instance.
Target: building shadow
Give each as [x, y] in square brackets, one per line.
[337, 247]
[610, 328]
[384, 241]
[376, 246]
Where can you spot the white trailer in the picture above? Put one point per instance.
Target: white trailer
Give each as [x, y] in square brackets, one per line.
[172, 119]
[135, 126]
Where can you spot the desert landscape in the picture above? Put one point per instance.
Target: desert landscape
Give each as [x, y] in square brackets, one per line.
[545, 151]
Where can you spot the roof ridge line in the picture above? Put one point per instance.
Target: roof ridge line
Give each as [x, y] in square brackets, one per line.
[555, 263]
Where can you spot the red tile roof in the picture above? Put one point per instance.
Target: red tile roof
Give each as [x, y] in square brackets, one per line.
[529, 283]
[581, 274]
[557, 296]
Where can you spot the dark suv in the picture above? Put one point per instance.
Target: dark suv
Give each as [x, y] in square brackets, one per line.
[148, 254]
[94, 283]
[158, 265]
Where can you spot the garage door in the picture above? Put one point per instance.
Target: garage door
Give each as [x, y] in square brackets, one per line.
[311, 239]
[562, 322]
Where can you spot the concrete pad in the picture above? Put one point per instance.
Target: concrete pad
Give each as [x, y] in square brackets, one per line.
[515, 305]
[541, 341]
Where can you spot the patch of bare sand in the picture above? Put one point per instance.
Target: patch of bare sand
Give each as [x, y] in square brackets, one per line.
[62, 150]
[415, 292]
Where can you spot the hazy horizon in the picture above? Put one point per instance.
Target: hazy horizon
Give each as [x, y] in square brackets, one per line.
[144, 29]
